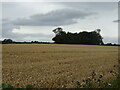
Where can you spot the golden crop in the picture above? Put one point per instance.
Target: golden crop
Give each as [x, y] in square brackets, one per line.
[55, 65]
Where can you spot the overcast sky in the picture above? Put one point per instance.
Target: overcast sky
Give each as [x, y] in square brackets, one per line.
[26, 21]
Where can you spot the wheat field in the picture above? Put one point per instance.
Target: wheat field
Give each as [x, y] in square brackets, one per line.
[55, 65]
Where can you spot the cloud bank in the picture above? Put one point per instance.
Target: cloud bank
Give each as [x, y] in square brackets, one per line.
[21, 19]
[53, 18]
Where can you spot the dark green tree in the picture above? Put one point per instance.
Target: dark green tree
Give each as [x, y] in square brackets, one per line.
[92, 38]
[7, 41]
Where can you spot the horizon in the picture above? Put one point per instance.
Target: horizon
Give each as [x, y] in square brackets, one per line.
[33, 21]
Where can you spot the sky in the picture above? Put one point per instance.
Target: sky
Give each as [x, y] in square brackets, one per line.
[30, 21]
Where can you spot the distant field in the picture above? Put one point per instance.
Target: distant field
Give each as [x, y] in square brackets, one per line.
[55, 65]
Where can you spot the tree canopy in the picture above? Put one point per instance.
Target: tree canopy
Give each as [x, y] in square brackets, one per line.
[7, 41]
[92, 38]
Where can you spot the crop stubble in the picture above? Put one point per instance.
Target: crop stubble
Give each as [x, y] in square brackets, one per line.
[55, 65]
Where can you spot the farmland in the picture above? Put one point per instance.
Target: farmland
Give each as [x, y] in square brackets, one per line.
[55, 65]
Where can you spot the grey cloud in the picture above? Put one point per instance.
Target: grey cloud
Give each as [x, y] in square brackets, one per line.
[91, 6]
[7, 28]
[54, 18]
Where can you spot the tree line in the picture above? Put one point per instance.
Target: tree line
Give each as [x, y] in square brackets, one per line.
[62, 37]
[10, 41]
